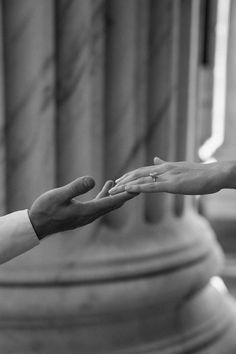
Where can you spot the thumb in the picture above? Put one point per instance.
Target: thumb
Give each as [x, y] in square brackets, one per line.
[77, 187]
[158, 161]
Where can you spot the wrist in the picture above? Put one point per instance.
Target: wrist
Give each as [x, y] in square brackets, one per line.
[229, 174]
[37, 225]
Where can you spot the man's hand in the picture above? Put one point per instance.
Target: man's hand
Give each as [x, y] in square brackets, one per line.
[56, 210]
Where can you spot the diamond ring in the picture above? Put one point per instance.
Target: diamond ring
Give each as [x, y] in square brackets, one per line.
[154, 176]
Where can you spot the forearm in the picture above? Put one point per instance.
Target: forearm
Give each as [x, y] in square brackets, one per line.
[16, 235]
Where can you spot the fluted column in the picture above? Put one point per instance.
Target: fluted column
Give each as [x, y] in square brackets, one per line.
[80, 41]
[162, 94]
[206, 59]
[97, 94]
[221, 210]
[2, 125]
[29, 92]
[138, 155]
[187, 81]
[121, 123]
[79, 130]
[192, 89]
[121, 285]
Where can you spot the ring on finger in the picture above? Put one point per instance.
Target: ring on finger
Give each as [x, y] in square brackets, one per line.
[154, 176]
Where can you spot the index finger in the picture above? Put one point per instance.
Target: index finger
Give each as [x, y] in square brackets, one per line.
[140, 172]
[104, 192]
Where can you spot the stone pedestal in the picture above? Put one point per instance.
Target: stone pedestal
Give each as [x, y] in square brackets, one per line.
[146, 292]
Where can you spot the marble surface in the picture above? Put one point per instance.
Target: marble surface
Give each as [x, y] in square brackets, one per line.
[29, 100]
[2, 127]
[121, 93]
[162, 87]
[76, 117]
[125, 285]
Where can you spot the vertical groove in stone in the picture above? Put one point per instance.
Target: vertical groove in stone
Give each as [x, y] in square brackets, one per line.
[188, 71]
[120, 130]
[78, 138]
[29, 80]
[183, 77]
[170, 198]
[208, 12]
[2, 126]
[139, 149]
[193, 81]
[97, 95]
[160, 95]
[192, 92]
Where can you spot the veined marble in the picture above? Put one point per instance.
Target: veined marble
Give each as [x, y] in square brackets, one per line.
[74, 90]
[29, 94]
[2, 127]
[123, 70]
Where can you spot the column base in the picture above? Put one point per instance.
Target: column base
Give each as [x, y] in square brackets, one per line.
[203, 323]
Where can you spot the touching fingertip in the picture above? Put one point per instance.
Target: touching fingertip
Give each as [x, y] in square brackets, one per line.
[120, 178]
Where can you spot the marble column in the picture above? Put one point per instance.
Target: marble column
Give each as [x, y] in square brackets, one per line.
[121, 285]
[80, 42]
[192, 91]
[221, 209]
[97, 92]
[206, 67]
[162, 95]
[29, 92]
[2, 126]
[137, 156]
[187, 83]
[121, 122]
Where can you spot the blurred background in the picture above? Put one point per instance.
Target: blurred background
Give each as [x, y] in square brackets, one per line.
[99, 87]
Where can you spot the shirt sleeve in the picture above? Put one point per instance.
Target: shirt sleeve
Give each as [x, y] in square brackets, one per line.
[16, 235]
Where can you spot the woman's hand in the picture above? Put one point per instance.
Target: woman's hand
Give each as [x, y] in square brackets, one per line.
[177, 177]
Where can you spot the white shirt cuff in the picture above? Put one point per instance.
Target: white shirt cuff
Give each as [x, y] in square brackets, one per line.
[16, 235]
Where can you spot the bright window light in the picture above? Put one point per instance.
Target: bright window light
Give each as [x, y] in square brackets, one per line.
[218, 284]
[216, 139]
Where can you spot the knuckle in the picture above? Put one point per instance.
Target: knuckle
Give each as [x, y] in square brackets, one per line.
[135, 174]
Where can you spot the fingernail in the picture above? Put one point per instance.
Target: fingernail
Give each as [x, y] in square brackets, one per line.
[120, 178]
[89, 181]
[112, 190]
